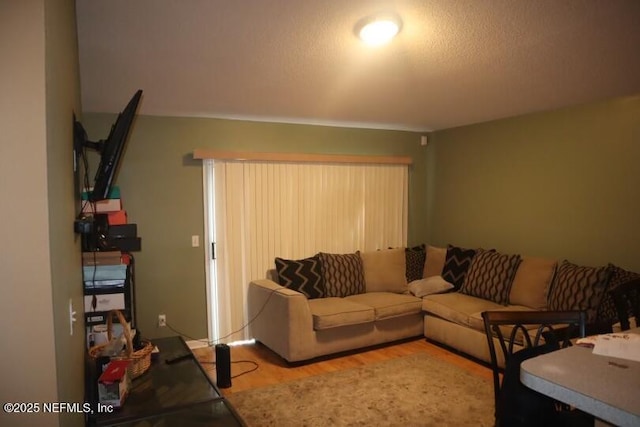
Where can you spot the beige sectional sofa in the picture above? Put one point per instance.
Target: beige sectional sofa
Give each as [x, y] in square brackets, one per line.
[303, 324]
[455, 319]
[299, 328]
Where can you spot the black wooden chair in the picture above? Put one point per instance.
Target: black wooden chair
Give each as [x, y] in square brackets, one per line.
[520, 335]
[626, 298]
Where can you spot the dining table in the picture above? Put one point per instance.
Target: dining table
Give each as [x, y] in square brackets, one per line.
[606, 387]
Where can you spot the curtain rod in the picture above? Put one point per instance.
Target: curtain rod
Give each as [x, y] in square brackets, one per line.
[201, 154]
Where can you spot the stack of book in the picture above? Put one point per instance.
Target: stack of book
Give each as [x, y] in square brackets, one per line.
[112, 205]
[107, 263]
[110, 221]
[105, 277]
[104, 269]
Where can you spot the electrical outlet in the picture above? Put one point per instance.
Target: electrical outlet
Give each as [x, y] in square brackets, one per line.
[162, 320]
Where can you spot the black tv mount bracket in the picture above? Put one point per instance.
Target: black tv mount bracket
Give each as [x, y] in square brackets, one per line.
[80, 139]
[83, 225]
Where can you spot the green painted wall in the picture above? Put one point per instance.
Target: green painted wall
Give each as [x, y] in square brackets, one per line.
[161, 188]
[561, 184]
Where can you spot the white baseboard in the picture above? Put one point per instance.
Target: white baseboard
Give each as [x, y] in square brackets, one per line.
[193, 344]
[201, 343]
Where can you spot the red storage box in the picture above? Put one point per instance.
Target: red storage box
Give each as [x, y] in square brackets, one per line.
[113, 384]
[117, 218]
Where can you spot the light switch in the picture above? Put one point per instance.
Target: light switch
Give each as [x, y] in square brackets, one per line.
[72, 316]
[195, 241]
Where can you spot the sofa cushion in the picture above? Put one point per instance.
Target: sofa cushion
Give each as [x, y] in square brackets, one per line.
[490, 276]
[476, 321]
[415, 258]
[342, 274]
[577, 287]
[388, 304]
[384, 271]
[457, 307]
[428, 286]
[531, 282]
[334, 312]
[304, 276]
[607, 313]
[456, 264]
[434, 261]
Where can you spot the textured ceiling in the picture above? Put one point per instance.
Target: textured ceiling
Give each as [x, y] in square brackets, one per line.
[454, 62]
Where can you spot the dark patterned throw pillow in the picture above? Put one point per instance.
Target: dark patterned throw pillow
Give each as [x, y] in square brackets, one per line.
[490, 276]
[456, 265]
[607, 313]
[578, 288]
[415, 258]
[343, 274]
[304, 276]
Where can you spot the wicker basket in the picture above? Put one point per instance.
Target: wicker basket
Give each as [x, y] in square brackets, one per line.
[140, 359]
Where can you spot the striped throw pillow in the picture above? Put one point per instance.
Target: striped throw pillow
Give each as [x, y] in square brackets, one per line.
[304, 276]
[578, 287]
[456, 264]
[490, 276]
[607, 313]
[343, 274]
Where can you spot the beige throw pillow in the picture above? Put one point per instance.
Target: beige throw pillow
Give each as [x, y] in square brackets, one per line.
[434, 262]
[428, 286]
[384, 271]
[531, 283]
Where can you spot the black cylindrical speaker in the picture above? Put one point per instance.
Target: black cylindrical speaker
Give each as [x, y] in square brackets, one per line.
[223, 366]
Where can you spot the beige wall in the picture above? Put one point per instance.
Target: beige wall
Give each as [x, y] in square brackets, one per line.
[39, 259]
[162, 191]
[561, 184]
[62, 99]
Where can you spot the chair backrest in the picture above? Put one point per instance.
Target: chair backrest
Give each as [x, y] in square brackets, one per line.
[537, 331]
[626, 298]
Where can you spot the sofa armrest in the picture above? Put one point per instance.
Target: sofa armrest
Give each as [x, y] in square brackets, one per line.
[280, 318]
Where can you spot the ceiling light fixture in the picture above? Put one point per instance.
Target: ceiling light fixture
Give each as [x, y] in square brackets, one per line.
[379, 29]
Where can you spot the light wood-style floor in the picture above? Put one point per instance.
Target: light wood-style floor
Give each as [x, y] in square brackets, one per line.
[272, 369]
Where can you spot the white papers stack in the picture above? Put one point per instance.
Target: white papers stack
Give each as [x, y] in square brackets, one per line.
[620, 345]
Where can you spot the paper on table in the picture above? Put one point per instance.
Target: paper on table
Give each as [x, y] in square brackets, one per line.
[621, 345]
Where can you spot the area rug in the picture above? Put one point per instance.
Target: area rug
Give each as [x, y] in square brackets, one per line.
[416, 390]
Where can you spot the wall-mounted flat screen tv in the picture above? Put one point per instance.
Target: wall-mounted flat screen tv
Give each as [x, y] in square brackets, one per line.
[110, 149]
[111, 153]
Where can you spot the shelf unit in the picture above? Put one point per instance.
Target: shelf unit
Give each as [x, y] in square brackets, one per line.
[99, 300]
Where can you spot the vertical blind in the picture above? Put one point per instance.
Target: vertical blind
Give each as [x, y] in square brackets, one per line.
[265, 210]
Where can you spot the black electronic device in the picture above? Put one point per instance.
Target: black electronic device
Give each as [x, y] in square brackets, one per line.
[223, 366]
[110, 149]
[123, 231]
[125, 244]
[96, 238]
